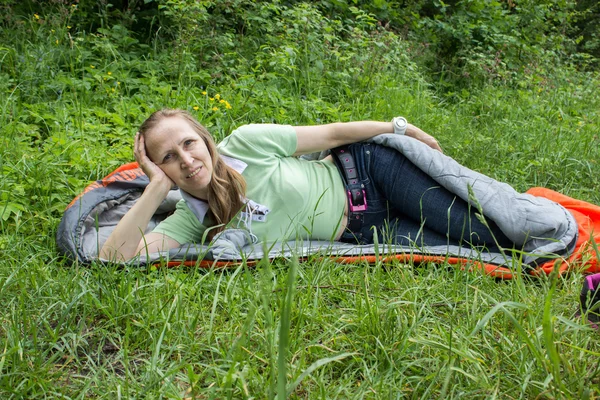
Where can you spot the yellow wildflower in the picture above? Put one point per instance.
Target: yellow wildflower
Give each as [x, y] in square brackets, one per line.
[113, 89]
[109, 73]
[227, 105]
[56, 41]
[92, 66]
[211, 98]
[217, 96]
[68, 27]
[222, 101]
[215, 109]
[36, 16]
[118, 83]
[204, 93]
[196, 108]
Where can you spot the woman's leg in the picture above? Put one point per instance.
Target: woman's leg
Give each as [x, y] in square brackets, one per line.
[416, 196]
[408, 232]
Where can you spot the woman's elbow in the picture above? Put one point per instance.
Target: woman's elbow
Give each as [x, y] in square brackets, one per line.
[109, 253]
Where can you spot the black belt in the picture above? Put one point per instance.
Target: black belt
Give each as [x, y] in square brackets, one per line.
[357, 198]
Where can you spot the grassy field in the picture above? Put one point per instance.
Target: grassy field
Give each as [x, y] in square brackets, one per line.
[70, 102]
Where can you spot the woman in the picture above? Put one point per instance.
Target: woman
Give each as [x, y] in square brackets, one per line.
[254, 178]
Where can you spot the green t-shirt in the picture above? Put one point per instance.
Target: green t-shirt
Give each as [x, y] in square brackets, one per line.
[305, 198]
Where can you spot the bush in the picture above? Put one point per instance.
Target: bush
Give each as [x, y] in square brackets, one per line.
[466, 42]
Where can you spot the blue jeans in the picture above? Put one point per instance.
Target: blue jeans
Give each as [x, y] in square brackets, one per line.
[407, 207]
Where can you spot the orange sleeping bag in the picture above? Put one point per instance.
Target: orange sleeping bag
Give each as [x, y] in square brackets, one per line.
[79, 224]
[587, 215]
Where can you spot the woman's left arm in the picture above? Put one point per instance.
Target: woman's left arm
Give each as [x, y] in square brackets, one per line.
[323, 137]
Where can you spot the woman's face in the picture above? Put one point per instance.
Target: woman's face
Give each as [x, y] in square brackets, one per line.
[181, 153]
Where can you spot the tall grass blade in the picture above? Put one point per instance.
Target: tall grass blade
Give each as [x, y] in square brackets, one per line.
[284, 330]
[595, 247]
[213, 310]
[158, 346]
[548, 330]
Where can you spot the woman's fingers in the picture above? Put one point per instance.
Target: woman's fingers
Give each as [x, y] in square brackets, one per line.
[432, 142]
[136, 148]
[139, 151]
[139, 148]
[424, 137]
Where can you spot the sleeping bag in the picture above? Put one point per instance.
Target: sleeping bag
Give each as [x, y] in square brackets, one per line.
[566, 237]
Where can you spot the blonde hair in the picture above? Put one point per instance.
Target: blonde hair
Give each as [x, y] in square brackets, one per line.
[226, 189]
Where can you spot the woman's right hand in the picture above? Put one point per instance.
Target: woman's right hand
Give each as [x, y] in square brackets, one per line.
[128, 238]
[421, 135]
[154, 173]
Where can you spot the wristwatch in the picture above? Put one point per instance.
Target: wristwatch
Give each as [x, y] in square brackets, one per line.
[400, 125]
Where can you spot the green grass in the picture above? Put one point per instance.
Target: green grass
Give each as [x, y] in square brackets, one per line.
[314, 329]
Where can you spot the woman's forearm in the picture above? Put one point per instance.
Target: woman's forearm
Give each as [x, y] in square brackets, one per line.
[351, 132]
[323, 137]
[122, 244]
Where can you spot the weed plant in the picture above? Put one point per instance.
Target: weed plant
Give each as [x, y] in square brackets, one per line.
[70, 102]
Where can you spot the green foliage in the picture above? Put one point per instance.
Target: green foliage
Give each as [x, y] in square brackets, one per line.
[489, 39]
[469, 42]
[463, 42]
[586, 28]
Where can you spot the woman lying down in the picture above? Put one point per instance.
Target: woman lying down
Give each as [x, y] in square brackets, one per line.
[390, 185]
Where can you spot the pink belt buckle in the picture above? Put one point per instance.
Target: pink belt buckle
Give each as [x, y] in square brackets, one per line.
[361, 207]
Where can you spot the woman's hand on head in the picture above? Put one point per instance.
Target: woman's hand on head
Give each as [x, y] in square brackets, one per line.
[422, 136]
[128, 239]
[154, 173]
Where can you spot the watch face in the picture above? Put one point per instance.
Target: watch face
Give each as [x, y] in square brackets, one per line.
[400, 123]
